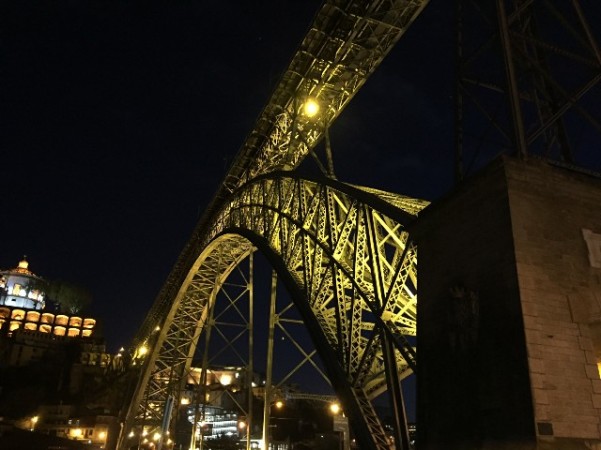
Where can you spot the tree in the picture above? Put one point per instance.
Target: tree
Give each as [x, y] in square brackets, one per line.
[70, 297]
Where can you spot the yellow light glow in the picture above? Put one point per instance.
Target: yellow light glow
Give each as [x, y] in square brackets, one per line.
[144, 433]
[102, 435]
[226, 379]
[169, 442]
[241, 425]
[156, 436]
[311, 108]
[35, 419]
[142, 350]
[185, 401]
[335, 408]
[157, 328]
[279, 404]
[76, 432]
[131, 434]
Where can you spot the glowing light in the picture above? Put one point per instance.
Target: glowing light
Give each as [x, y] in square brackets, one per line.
[33, 420]
[142, 350]
[157, 328]
[226, 379]
[241, 425]
[279, 404]
[131, 434]
[185, 401]
[335, 408]
[144, 433]
[102, 435]
[156, 436]
[311, 108]
[76, 432]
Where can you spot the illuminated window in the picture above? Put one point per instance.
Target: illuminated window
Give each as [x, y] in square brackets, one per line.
[18, 314]
[14, 325]
[17, 288]
[89, 323]
[32, 316]
[86, 333]
[47, 318]
[60, 331]
[73, 332]
[61, 320]
[4, 313]
[31, 326]
[45, 328]
[75, 321]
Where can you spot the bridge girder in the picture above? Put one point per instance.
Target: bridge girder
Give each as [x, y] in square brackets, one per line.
[349, 265]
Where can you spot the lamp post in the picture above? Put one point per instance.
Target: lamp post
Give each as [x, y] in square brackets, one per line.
[340, 424]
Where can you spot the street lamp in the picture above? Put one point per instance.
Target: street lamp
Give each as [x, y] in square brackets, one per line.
[34, 420]
[311, 107]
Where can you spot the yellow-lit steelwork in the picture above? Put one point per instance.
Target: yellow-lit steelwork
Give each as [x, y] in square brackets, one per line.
[349, 264]
[342, 251]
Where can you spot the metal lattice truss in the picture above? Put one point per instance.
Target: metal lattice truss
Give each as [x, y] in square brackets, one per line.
[346, 42]
[355, 265]
[347, 254]
[344, 45]
[172, 347]
[541, 97]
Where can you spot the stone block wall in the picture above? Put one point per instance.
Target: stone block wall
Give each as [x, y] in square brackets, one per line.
[560, 293]
[508, 312]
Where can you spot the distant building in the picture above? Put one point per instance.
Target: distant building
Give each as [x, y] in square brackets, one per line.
[22, 303]
[15, 318]
[98, 431]
[21, 288]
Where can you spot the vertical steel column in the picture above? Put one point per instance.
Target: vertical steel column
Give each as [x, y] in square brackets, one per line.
[202, 383]
[401, 433]
[268, 375]
[512, 85]
[459, 92]
[250, 368]
[329, 154]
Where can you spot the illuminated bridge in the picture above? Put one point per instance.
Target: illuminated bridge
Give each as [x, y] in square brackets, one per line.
[343, 252]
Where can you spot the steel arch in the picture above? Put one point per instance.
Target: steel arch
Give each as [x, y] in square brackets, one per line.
[349, 265]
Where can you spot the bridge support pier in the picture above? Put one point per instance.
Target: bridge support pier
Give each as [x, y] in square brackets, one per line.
[509, 311]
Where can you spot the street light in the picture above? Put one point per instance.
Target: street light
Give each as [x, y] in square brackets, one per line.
[335, 408]
[311, 107]
[34, 420]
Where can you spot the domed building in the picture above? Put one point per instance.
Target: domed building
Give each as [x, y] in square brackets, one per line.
[21, 288]
[23, 307]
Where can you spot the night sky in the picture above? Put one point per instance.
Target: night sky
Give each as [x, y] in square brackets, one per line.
[119, 120]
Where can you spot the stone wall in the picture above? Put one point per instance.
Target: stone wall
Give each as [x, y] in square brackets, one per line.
[560, 294]
[507, 307]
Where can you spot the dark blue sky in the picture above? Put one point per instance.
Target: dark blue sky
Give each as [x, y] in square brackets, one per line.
[119, 120]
